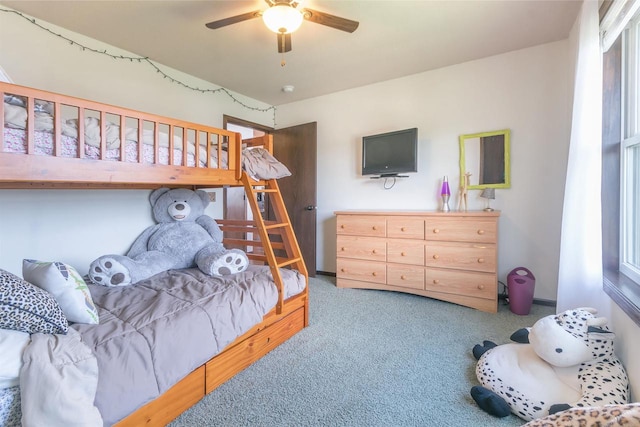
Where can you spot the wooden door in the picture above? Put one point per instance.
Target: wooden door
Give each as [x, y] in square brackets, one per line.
[296, 148]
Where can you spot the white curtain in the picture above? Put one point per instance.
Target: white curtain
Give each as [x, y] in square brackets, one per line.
[580, 272]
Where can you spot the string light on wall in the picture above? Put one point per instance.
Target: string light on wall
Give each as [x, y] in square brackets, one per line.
[145, 60]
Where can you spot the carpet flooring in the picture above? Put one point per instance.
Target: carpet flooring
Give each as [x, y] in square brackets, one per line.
[368, 358]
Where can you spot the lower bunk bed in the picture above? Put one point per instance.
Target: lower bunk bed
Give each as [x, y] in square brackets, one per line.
[163, 343]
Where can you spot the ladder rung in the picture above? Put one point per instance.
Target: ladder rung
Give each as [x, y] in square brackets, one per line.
[265, 190]
[289, 262]
[278, 225]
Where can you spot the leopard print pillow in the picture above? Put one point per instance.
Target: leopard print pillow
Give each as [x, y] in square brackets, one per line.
[597, 416]
[10, 413]
[27, 308]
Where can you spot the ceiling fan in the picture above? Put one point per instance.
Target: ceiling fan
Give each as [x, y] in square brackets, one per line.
[284, 17]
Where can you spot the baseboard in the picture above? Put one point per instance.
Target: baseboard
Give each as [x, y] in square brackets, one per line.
[326, 273]
[545, 302]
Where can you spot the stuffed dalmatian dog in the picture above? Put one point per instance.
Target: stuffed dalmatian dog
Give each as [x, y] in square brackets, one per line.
[564, 361]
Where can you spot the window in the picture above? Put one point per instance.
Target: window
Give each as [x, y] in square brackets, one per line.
[630, 157]
[621, 170]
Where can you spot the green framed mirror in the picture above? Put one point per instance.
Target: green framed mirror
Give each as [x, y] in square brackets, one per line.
[486, 156]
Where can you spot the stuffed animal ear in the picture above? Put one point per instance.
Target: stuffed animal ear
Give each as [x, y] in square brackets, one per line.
[521, 336]
[594, 331]
[155, 194]
[204, 197]
[597, 321]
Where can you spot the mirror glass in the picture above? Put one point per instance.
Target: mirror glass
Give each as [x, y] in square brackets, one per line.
[485, 156]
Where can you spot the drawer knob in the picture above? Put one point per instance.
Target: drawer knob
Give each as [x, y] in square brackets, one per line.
[480, 232]
[374, 227]
[342, 248]
[436, 256]
[343, 270]
[403, 277]
[436, 230]
[481, 287]
[436, 281]
[375, 251]
[402, 254]
[403, 229]
[374, 274]
[342, 226]
[480, 260]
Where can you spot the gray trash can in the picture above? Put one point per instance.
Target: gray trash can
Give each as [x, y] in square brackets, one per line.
[521, 284]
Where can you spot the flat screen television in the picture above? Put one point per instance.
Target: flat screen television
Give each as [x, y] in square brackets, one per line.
[390, 154]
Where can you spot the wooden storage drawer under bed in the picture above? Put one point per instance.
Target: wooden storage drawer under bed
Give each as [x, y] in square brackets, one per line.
[234, 359]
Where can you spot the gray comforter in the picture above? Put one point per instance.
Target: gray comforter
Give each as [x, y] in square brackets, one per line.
[154, 333]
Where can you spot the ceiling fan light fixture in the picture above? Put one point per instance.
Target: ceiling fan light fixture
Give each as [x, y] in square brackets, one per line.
[282, 18]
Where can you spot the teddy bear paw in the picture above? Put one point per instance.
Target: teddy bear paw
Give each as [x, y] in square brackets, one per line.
[231, 262]
[107, 271]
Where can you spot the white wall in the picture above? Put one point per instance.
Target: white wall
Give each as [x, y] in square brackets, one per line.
[76, 226]
[526, 91]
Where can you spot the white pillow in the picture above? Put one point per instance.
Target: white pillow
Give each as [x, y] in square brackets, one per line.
[12, 344]
[67, 287]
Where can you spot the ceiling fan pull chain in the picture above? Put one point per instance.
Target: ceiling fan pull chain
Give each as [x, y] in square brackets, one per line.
[282, 61]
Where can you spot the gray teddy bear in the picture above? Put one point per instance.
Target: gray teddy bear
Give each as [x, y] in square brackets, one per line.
[184, 237]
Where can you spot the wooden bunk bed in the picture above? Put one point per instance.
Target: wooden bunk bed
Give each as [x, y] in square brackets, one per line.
[195, 156]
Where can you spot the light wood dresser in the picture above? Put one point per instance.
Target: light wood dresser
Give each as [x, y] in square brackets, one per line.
[450, 256]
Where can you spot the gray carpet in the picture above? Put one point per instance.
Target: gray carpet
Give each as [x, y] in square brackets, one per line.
[368, 358]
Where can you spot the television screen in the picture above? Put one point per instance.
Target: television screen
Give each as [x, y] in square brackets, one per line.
[391, 153]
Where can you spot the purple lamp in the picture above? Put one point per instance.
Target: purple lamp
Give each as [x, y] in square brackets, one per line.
[445, 193]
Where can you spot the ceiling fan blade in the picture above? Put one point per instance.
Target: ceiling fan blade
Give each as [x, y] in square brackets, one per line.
[234, 19]
[332, 21]
[284, 42]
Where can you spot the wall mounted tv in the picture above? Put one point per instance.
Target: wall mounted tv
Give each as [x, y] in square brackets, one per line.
[390, 154]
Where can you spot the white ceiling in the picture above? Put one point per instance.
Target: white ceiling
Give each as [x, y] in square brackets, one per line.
[394, 39]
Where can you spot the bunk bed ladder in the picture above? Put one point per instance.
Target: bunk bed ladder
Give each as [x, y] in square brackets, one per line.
[280, 227]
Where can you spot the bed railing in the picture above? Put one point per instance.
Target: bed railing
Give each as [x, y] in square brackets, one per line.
[73, 140]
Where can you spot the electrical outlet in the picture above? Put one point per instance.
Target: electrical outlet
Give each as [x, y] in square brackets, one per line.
[212, 196]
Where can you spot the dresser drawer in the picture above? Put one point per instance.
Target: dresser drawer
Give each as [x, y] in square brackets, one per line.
[405, 228]
[367, 248]
[405, 276]
[479, 285]
[368, 271]
[461, 230]
[466, 256]
[404, 252]
[361, 225]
